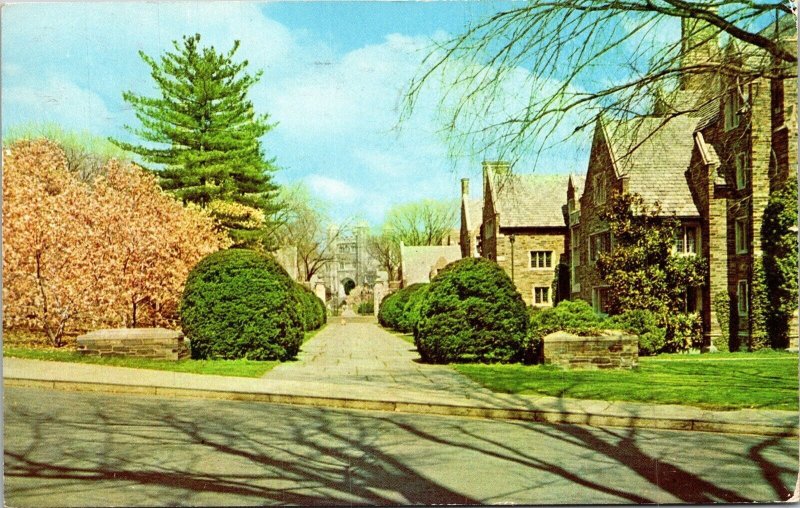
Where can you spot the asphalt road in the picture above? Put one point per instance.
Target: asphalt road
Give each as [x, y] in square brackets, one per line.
[85, 449]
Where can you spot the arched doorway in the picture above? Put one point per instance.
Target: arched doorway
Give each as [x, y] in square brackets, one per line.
[348, 285]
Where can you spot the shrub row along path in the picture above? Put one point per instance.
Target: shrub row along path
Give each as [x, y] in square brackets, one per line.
[361, 353]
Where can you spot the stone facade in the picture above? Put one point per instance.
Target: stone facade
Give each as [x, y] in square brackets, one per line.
[736, 151]
[528, 243]
[611, 350]
[155, 343]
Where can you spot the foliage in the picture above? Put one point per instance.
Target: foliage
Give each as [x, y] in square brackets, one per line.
[645, 325]
[760, 308]
[85, 154]
[311, 309]
[204, 134]
[366, 308]
[779, 241]
[571, 316]
[239, 303]
[393, 306]
[471, 313]
[684, 332]
[722, 308]
[114, 253]
[425, 222]
[410, 314]
[640, 271]
[528, 76]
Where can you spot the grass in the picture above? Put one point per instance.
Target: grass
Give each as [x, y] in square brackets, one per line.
[713, 381]
[34, 348]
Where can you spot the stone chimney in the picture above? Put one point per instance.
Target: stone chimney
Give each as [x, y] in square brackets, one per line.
[465, 187]
[699, 45]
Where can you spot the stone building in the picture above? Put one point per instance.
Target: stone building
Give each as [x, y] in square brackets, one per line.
[712, 167]
[471, 220]
[350, 263]
[524, 230]
[419, 264]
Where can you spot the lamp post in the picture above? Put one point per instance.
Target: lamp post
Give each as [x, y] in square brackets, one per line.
[511, 239]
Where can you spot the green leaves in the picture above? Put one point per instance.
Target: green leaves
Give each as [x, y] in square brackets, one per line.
[203, 135]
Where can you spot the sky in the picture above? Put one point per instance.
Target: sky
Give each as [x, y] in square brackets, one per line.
[333, 78]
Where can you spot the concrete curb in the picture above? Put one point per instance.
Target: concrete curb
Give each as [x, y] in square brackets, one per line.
[534, 415]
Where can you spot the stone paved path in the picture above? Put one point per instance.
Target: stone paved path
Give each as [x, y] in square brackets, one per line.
[365, 354]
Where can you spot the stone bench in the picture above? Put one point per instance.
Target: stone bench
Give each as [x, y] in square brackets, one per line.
[610, 350]
[156, 343]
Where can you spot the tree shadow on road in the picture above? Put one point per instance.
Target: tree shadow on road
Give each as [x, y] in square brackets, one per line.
[81, 448]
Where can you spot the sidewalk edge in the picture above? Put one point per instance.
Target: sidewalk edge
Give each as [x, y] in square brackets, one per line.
[534, 415]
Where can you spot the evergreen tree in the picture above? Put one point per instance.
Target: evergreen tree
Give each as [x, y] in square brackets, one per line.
[203, 134]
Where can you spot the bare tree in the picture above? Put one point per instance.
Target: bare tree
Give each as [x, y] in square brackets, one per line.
[544, 70]
[306, 225]
[426, 222]
[386, 251]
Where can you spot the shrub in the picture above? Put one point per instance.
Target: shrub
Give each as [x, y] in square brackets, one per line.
[366, 308]
[409, 316]
[646, 325]
[571, 316]
[684, 331]
[390, 313]
[722, 308]
[311, 308]
[471, 313]
[241, 304]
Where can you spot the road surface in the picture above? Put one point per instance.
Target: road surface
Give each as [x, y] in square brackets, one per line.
[91, 449]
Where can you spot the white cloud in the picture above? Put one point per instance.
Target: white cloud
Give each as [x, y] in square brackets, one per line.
[331, 189]
[58, 100]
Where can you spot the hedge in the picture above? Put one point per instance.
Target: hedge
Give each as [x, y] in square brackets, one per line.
[239, 303]
[392, 308]
[311, 308]
[471, 313]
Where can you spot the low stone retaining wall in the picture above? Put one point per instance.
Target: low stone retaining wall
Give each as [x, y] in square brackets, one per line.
[157, 343]
[611, 350]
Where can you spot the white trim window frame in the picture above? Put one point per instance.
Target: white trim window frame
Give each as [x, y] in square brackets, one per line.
[687, 240]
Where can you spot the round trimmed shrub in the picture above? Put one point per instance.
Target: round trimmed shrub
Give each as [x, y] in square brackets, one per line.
[311, 308]
[392, 309]
[471, 313]
[239, 303]
[409, 316]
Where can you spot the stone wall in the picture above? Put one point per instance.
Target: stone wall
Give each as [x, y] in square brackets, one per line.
[525, 277]
[611, 350]
[156, 343]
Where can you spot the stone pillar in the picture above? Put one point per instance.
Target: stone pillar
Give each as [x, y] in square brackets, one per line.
[378, 292]
[319, 290]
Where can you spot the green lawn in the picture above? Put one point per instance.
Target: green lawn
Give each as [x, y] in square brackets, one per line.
[714, 381]
[237, 368]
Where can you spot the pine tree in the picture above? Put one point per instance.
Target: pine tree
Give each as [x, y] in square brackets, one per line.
[203, 135]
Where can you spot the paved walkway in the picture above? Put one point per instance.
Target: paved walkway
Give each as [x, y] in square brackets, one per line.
[363, 353]
[361, 366]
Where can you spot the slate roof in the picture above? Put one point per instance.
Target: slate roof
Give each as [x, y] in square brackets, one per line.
[474, 214]
[417, 262]
[532, 200]
[578, 182]
[654, 153]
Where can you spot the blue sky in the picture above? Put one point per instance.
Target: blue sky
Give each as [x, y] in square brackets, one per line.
[333, 77]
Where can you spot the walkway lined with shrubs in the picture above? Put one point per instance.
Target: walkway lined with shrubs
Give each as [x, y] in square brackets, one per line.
[359, 353]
